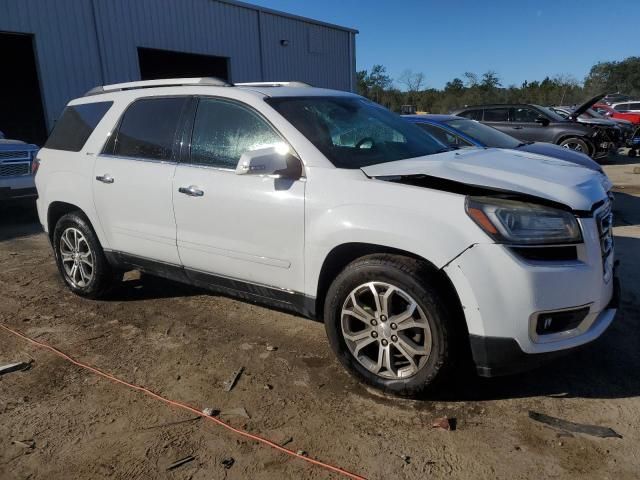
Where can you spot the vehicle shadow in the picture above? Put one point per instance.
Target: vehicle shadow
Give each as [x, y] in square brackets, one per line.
[626, 207]
[18, 220]
[148, 287]
[607, 368]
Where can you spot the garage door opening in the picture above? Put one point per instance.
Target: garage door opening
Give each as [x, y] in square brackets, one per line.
[21, 111]
[167, 64]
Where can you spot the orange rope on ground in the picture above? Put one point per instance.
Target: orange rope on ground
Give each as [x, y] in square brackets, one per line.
[184, 406]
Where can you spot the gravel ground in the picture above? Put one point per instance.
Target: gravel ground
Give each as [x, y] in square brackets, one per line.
[59, 421]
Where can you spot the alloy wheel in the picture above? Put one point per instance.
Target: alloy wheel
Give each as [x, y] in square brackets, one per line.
[386, 330]
[77, 257]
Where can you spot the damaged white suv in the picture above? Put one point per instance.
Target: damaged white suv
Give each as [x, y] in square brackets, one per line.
[323, 203]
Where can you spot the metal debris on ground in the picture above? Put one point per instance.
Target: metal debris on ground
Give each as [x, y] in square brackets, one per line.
[211, 412]
[180, 462]
[30, 444]
[15, 367]
[593, 430]
[302, 452]
[235, 412]
[444, 423]
[229, 384]
[268, 386]
[286, 441]
[406, 459]
[271, 348]
[227, 463]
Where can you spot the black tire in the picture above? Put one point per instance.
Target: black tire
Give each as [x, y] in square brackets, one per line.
[577, 144]
[102, 277]
[412, 277]
[631, 153]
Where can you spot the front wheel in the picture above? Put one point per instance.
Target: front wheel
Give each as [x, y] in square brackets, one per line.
[388, 326]
[576, 144]
[80, 258]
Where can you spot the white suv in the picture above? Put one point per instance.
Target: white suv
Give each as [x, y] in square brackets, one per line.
[323, 203]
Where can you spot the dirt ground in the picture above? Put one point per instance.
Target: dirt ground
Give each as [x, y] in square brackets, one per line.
[59, 421]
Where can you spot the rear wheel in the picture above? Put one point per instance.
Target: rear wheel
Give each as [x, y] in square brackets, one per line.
[577, 144]
[80, 258]
[388, 326]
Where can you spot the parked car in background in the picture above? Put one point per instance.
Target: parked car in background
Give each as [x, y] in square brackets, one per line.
[533, 123]
[460, 132]
[615, 98]
[609, 112]
[631, 106]
[16, 169]
[326, 204]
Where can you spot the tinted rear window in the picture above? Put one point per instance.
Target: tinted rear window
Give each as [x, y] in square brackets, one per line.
[75, 125]
[472, 114]
[496, 115]
[148, 128]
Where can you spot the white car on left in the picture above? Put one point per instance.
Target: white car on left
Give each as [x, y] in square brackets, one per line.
[17, 168]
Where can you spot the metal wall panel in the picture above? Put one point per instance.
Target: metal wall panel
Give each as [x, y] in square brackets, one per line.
[84, 43]
[65, 45]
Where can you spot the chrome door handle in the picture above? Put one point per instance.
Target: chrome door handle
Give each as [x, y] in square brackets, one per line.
[518, 128]
[106, 178]
[192, 191]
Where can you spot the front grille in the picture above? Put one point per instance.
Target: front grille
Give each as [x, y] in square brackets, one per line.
[604, 220]
[15, 169]
[15, 155]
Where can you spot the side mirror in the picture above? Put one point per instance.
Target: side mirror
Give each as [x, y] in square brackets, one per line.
[273, 161]
[542, 121]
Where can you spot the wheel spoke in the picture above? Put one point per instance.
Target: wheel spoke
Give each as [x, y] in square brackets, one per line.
[65, 240]
[406, 315]
[384, 301]
[86, 259]
[76, 243]
[83, 274]
[376, 297]
[66, 256]
[358, 309]
[405, 325]
[363, 342]
[407, 355]
[412, 347]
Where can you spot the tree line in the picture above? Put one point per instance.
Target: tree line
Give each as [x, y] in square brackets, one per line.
[472, 89]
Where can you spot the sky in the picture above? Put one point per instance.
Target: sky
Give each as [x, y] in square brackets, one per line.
[518, 39]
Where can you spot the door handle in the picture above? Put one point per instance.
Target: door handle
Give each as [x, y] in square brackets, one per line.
[192, 191]
[518, 128]
[106, 178]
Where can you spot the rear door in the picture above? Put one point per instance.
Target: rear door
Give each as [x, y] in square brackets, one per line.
[498, 117]
[235, 230]
[133, 180]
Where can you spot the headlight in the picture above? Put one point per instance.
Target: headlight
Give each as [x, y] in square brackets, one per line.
[509, 221]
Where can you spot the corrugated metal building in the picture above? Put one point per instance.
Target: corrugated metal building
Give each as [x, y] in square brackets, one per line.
[53, 51]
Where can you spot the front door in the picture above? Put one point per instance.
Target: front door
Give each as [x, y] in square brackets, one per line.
[133, 181]
[232, 227]
[525, 127]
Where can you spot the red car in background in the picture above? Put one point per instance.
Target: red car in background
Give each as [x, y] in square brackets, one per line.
[606, 110]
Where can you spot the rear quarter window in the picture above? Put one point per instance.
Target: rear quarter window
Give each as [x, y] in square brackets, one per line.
[75, 126]
[472, 114]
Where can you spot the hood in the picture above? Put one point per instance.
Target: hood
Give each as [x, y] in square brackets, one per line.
[587, 105]
[561, 153]
[506, 170]
[602, 122]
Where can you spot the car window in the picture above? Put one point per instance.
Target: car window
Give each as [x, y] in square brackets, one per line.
[623, 107]
[353, 132]
[487, 135]
[496, 114]
[75, 125]
[444, 136]
[472, 114]
[224, 130]
[525, 114]
[148, 128]
[634, 106]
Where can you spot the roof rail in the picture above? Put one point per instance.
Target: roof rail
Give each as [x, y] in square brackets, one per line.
[274, 84]
[168, 82]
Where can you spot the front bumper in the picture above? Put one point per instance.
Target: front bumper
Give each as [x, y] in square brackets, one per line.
[17, 188]
[504, 295]
[498, 356]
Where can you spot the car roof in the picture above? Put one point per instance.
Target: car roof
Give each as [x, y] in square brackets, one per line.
[626, 101]
[491, 105]
[269, 89]
[436, 117]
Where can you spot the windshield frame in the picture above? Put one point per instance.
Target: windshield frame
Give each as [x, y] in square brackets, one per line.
[513, 142]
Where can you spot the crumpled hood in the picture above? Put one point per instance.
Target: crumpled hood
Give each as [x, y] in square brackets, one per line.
[506, 170]
[587, 105]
